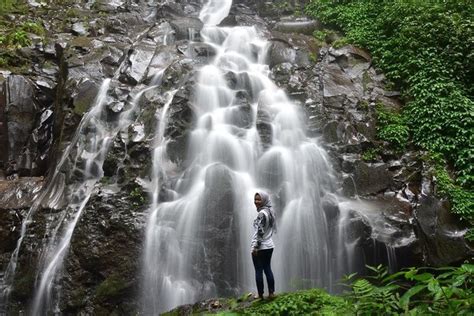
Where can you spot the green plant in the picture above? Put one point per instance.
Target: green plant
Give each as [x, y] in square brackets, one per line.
[414, 291]
[374, 298]
[6, 5]
[391, 127]
[340, 42]
[18, 38]
[370, 154]
[137, 196]
[314, 301]
[462, 200]
[11, 6]
[33, 27]
[425, 49]
[110, 288]
[72, 13]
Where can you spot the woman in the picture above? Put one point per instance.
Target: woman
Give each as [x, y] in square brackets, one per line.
[262, 243]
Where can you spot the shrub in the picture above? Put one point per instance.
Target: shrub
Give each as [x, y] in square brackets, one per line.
[391, 127]
[426, 49]
[414, 291]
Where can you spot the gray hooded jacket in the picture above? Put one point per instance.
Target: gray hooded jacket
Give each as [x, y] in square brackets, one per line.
[264, 225]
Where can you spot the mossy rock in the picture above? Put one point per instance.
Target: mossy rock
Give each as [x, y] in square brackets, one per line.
[111, 288]
[78, 297]
[23, 285]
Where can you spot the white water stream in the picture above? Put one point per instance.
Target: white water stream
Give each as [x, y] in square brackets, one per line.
[185, 258]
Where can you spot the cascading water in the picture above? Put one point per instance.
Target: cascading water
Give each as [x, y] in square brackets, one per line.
[197, 241]
[72, 183]
[247, 135]
[52, 197]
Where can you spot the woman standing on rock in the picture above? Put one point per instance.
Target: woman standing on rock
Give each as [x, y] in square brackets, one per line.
[262, 243]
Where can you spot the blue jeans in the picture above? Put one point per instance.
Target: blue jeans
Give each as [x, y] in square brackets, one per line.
[261, 262]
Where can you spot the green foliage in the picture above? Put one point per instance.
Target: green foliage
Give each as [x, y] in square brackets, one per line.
[110, 288]
[391, 127]
[314, 301]
[9, 6]
[137, 196]
[14, 35]
[73, 13]
[340, 42]
[370, 154]
[33, 27]
[376, 297]
[415, 291]
[325, 35]
[426, 49]
[462, 201]
[18, 39]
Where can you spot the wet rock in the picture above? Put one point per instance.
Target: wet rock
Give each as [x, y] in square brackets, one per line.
[281, 52]
[296, 49]
[202, 50]
[103, 263]
[331, 132]
[84, 95]
[20, 111]
[303, 26]
[336, 82]
[78, 28]
[10, 227]
[138, 59]
[441, 234]
[181, 118]
[187, 28]
[19, 193]
[218, 229]
[3, 125]
[331, 208]
[264, 127]
[371, 178]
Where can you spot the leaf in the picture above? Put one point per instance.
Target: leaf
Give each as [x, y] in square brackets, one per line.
[405, 299]
[423, 277]
[468, 268]
[433, 286]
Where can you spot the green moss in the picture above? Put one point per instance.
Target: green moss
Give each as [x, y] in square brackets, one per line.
[364, 105]
[110, 288]
[138, 196]
[73, 13]
[365, 80]
[12, 6]
[370, 154]
[81, 41]
[340, 42]
[78, 297]
[23, 285]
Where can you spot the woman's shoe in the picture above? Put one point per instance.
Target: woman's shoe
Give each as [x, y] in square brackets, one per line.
[258, 297]
[271, 296]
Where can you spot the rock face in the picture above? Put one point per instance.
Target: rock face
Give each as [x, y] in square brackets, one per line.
[441, 233]
[138, 44]
[223, 263]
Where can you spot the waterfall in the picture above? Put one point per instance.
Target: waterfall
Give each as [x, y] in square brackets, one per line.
[197, 242]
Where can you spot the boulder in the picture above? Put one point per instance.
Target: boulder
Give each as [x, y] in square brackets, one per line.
[371, 178]
[301, 25]
[21, 112]
[219, 231]
[187, 28]
[440, 233]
